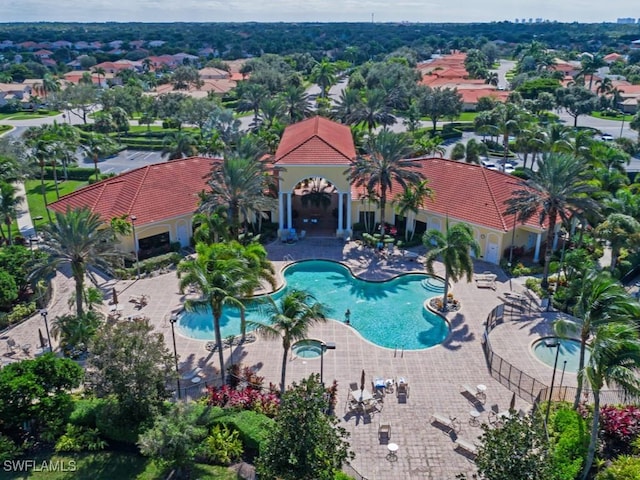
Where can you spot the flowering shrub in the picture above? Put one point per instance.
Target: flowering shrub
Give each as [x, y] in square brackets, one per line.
[620, 426]
[245, 399]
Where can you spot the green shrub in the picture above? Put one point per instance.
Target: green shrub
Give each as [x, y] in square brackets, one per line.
[85, 411]
[622, 468]
[533, 284]
[9, 450]
[19, 312]
[222, 447]
[251, 426]
[113, 424]
[570, 443]
[80, 439]
[8, 290]
[342, 476]
[73, 173]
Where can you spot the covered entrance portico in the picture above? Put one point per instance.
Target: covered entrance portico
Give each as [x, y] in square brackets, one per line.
[311, 168]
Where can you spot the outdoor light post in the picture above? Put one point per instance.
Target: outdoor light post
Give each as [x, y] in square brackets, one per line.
[562, 377]
[44, 314]
[173, 320]
[324, 346]
[553, 379]
[135, 244]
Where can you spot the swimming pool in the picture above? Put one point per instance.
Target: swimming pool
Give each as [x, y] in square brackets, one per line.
[390, 314]
[545, 351]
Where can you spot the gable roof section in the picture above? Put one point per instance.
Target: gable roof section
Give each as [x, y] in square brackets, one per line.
[468, 193]
[316, 141]
[152, 193]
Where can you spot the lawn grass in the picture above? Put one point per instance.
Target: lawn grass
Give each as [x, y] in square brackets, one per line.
[27, 115]
[467, 117]
[619, 118]
[36, 202]
[108, 466]
[5, 128]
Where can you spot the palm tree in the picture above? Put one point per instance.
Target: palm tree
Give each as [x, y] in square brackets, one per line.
[324, 74]
[296, 103]
[615, 358]
[507, 118]
[250, 100]
[240, 184]
[383, 165]
[221, 277]
[600, 300]
[347, 105]
[50, 84]
[373, 111]
[454, 247]
[555, 190]
[270, 112]
[9, 202]
[590, 65]
[96, 145]
[41, 149]
[411, 200]
[179, 145]
[99, 71]
[620, 231]
[290, 320]
[77, 238]
[211, 227]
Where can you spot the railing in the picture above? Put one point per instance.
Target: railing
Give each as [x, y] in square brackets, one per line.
[352, 472]
[288, 258]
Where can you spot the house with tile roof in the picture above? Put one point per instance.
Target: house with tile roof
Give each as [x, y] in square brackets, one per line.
[311, 168]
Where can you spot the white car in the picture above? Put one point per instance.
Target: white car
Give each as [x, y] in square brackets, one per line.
[488, 164]
[509, 169]
[606, 137]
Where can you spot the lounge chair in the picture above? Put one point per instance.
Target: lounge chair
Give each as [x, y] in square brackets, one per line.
[451, 423]
[486, 280]
[402, 390]
[12, 346]
[465, 446]
[191, 374]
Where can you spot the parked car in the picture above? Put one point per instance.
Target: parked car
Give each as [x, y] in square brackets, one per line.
[606, 137]
[489, 164]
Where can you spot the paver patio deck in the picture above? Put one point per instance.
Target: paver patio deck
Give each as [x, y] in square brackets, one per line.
[435, 375]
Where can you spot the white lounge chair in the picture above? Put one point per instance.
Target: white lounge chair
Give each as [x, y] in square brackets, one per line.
[191, 374]
[451, 423]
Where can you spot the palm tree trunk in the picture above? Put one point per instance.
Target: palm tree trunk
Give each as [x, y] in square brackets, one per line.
[583, 348]
[243, 323]
[548, 251]
[218, 333]
[8, 222]
[445, 305]
[78, 275]
[54, 165]
[591, 453]
[95, 165]
[284, 369]
[44, 191]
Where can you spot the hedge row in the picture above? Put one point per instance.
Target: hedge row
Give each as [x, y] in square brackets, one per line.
[73, 173]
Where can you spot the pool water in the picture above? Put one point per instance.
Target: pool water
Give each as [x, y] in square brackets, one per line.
[569, 351]
[390, 314]
[307, 349]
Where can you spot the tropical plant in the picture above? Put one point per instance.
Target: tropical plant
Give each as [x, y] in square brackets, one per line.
[179, 145]
[222, 278]
[315, 452]
[600, 300]
[372, 111]
[290, 320]
[454, 248]
[96, 145]
[324, 74]
[9, 201]
[77, 238]
[620, 231]
[75, 331]
[615, 358]
[556, 189]
[239, 183]
[384, 165]
[296, 103]
[410, 201]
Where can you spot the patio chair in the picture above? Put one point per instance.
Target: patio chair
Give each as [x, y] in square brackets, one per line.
[12, 346]
[191, 374]
[384, 433]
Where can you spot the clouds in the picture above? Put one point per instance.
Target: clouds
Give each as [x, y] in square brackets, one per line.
[311, 10]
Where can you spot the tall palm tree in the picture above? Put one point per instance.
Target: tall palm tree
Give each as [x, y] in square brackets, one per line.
[615, 359]
[9, 202]
[99, 71]
[296, 103]
[96, 145]
[270, 112]
[250, 100]
[50, 84]
[77, 238]
[347, 105]
[241, 185]
[590, 65]
[411, 200]
[290, 320]
[600, 300]
[211, 227]
[221, 277]
[179, 145]
[324, 74]
[40, 150]
[454, 247]
[373, 111]
[507, 118]
[383, 165]
[555, 190]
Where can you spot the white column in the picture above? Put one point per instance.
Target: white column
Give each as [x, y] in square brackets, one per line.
[340, 219]
[280, 211]
[289, 213]
[349, 226]
[536, 255]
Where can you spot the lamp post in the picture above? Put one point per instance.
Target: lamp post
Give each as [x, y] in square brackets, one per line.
[562, 378]
[44, 314]
[324, 347]
[173, 320]
[135, 244]
[553, 379]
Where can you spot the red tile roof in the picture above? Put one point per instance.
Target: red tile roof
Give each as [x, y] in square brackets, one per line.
[472, 96]
[467, 192]
[316, 141]
[151, 193]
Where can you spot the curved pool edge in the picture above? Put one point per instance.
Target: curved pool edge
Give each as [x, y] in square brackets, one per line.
[538, 340]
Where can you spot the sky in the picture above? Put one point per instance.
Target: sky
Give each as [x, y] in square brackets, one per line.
[463, 11]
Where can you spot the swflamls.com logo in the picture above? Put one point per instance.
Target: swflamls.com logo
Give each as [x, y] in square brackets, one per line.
[44, 466]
